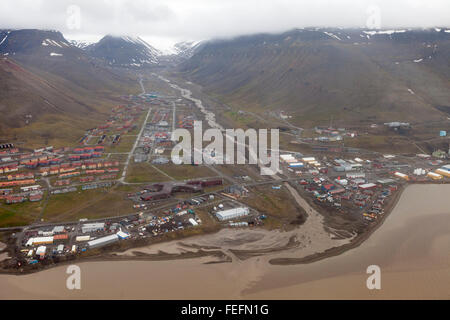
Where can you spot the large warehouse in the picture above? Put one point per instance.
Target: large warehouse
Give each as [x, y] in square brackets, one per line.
[91, 227]
[39, 240]
[103, 241]
[443, 171]
[232, 213]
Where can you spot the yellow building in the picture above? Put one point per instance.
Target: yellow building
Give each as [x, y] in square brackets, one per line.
[443, 172]
[434, 176]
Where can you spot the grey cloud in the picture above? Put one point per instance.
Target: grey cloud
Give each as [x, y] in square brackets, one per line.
[202, 19]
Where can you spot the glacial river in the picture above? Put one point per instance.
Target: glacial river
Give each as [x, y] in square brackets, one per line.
[210, 117]
[412, 249]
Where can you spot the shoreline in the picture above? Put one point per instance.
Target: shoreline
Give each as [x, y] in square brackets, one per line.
[354, 243]
[109, 253]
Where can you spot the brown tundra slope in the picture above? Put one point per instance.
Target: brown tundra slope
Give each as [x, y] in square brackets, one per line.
[316, 74]
[50, 90]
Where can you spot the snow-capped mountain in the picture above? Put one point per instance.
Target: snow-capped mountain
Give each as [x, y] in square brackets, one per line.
[82, 44]
[124, 51]
[186, 49]
[34, 42]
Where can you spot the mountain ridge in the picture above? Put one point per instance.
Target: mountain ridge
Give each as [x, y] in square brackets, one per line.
[318, 73]
[124, 51]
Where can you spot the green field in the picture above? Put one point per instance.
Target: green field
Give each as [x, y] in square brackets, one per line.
[19, 214]
[186, 171]
[89, 204]
[144, 172]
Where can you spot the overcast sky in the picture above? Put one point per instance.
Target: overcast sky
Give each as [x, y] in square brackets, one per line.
[163, 22]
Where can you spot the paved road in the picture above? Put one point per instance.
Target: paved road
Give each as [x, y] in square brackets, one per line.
[130, 154]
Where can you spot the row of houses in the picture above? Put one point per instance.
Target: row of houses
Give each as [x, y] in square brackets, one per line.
[20, 176]
[97, 185]
[9, 168]
[33, 197]
[79, 165]
[17, 183]
[89, 150]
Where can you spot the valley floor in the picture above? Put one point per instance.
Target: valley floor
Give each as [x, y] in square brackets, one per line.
[291, 226]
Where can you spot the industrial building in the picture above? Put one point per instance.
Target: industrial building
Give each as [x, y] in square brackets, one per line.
[232, 213]
[434, 176]
[287, 158]
[296, 165]
[40, 251]
[401, 175]
[442, 171]
[58, 229]
[164, 190]
[39, 240]
[386, 181]
[367, 186]
[103, 241]
[83, 238]
[92, 227]
[355, 175]
[342, 182]
[123, 235]
[193, 222]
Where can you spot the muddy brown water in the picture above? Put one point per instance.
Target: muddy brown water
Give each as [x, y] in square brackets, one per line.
[412, 249]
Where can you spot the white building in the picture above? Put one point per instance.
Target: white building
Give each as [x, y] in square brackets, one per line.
[355, 175]
[58, 229]
[385, 181]
[123, 235]
[39, 240]
[193, 222]
[401, 175]
[83, 238]
[40, 251]
[103, 241]
[91, 227]
[232, 213]
[342, 182]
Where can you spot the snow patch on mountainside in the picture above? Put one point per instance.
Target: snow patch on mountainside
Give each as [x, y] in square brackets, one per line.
[81, 44]
[50, 42]
[7, 34]
[124, 51]
[186, 49]
[332, 35]
[139, 41]
[388, 32]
